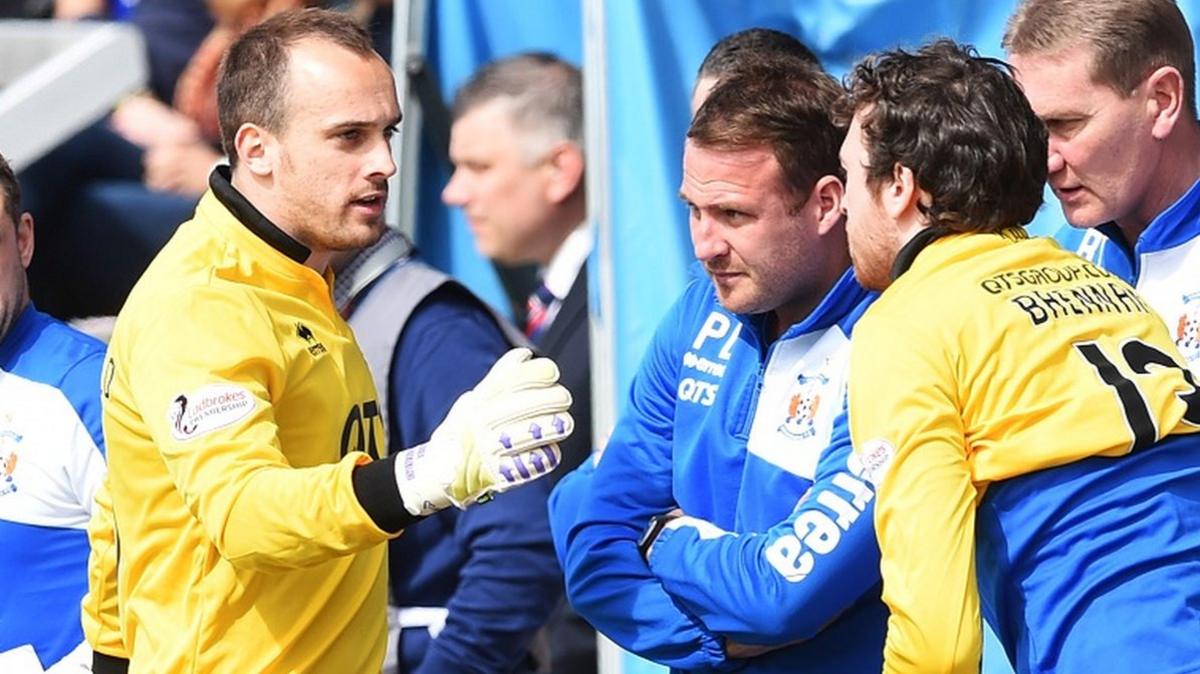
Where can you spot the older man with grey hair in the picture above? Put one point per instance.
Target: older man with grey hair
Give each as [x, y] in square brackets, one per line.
[517, 147]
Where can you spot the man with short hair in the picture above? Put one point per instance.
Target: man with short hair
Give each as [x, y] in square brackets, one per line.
[1023, 415]
[51, 461]
[517, 146]
[249, 497]
[1114, 81]
[733, 446]
[516, 142]
[735, 49]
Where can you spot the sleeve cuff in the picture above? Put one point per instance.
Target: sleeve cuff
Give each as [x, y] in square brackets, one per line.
[108, 664]
[376, 490]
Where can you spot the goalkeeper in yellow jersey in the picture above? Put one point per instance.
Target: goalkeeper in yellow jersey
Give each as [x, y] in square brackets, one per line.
[249, 498]
[1024, 414]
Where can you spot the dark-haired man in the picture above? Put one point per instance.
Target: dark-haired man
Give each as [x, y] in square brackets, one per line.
[51, 461]
[734, 50]
[249, 497]
[1024, 415]
[1115, 83]
[759, 545]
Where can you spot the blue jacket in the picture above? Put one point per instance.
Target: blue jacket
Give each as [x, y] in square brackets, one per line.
[51, 462]
[1161, 265]
[749, 438]
[492, 565]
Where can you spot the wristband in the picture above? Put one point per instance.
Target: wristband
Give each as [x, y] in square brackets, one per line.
[653, 528]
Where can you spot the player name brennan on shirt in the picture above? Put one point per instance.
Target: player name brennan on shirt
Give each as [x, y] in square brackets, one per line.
[1090, 298]
[1070, 298]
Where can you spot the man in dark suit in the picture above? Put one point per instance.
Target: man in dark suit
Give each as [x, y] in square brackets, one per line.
[517, 147]
[516, 142]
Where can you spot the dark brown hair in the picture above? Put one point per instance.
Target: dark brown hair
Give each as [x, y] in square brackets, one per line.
[252, 84]
[960, 122]
[11, 190]
[783, 103]
[753, 43]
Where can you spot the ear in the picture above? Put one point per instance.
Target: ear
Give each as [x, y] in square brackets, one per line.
[25, 239]
[899, 194]
[256, 149]
[826, 198]
[1164, 100]
[565, 164]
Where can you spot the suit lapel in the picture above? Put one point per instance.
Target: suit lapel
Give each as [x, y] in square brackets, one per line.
[570, 315]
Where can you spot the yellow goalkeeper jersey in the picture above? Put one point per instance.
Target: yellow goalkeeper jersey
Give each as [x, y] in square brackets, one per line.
[236, 406]
[992, 356]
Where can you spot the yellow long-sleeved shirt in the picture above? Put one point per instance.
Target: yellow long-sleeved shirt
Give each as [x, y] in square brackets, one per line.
[237, 405]
[991, 357]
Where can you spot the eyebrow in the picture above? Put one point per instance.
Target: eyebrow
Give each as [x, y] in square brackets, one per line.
[364, 123]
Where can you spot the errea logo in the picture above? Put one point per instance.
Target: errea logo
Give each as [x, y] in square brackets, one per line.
[315, 347]
[816, 532]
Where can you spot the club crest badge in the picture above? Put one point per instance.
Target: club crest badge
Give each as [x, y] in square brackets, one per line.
[8, 466]
[802, 407]
[1187, 328]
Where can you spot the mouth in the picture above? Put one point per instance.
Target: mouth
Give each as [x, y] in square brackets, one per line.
[1067, 193]
[723, 275]
[371, 201]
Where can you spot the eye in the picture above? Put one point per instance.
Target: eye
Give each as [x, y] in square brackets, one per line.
[390, 132]
[1065, 127]
[350, 135]
[732, 215]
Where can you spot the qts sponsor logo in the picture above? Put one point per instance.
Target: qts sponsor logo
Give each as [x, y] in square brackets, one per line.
[363, 429]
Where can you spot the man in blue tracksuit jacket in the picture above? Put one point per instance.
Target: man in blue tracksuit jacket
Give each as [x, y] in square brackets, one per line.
[734, 428]
[51, 462]
[1115, 84]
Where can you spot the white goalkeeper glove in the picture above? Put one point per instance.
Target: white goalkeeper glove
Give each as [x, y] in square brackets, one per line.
[499, 435]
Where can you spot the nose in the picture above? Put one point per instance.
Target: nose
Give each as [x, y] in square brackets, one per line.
[381, 161]
[707, 242]
[1054, 158]
[454, 193]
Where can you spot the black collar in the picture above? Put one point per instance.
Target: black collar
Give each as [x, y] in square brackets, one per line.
[252, 218]
[908, 254]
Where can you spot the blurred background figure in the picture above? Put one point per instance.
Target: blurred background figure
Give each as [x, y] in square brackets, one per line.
[516, 143]
[469, 589]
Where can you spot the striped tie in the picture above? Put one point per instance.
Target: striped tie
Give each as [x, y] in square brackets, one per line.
[537, 311]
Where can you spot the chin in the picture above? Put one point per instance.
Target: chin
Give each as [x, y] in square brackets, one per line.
[371, 235]
[352, 238]
[871, 281]
[1081, 221]
[740, 305]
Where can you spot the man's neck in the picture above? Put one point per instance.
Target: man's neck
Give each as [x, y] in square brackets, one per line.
[787, 315]
[8, 320]
[1178, 169]
[260, 197]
